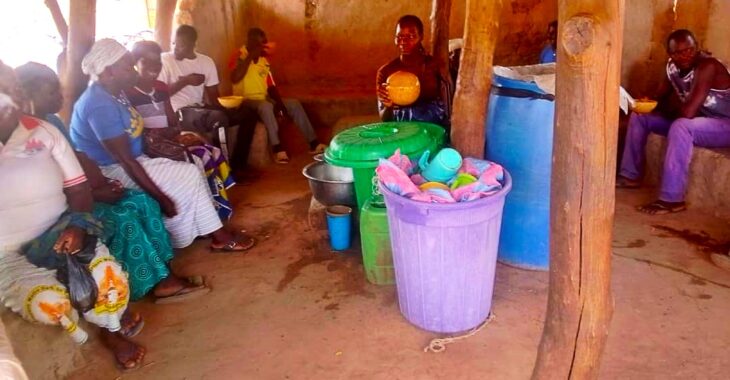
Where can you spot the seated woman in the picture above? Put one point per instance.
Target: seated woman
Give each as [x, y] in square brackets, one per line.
[108, 129]
[151, 98]
[431, 105]
[131, 219]
[45, 212]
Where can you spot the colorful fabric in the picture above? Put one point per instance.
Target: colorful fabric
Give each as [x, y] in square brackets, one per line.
[431, 112]
[40, 252]
[99, 116]
[138, 240]
[185, 185]
[36, 294]
[399, 175]
[717, 102]
[219, 177]
[36, 164]
[218, 173]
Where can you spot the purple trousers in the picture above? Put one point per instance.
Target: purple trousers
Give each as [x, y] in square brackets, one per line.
[682, 135]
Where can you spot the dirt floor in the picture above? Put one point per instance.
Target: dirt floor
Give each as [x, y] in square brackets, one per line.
[292, 309]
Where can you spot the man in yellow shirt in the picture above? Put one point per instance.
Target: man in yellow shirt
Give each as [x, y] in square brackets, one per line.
[252, 79]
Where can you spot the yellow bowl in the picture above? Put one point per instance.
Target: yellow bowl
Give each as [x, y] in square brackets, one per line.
[230, 101]
[432, 185]
[644, 106]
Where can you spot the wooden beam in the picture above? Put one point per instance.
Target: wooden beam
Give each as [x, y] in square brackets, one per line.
[440, 14]
[58, 19]
[164, 14]
[81, 32]
[475, 76]
[580, 305]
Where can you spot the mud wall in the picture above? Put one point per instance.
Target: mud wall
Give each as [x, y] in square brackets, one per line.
[647, 25]
[335, 46]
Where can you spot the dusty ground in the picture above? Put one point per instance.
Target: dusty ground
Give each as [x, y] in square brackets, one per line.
[291, 309]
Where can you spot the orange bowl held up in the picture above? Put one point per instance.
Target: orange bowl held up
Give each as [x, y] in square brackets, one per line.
[403, 88]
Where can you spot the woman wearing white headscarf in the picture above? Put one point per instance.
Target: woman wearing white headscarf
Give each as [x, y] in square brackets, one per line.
[109, 130]
[45, 220]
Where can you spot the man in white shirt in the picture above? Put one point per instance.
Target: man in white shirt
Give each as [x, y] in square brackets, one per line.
[192, 79]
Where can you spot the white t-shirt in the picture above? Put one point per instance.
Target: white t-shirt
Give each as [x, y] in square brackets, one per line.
[36, 164]
[173, 69]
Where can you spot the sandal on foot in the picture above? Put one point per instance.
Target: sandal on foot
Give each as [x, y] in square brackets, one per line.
[625, 183]
[135, 328]
[319, 149]
[237, 244]
[197, 288]
[662, 208]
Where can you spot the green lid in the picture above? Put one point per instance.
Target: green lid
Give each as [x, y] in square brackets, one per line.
[362, 146]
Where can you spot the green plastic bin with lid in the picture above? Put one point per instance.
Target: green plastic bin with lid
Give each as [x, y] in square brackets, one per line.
[361, 147]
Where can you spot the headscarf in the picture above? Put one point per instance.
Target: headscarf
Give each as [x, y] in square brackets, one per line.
[7, 90]
[103, 54]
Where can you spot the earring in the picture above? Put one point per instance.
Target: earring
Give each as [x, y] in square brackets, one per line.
[32, 107]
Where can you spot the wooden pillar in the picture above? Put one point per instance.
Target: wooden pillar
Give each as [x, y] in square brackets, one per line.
[475, 76]
[580, 305]
[440, 14]
[58, 19]
[81, 32]
[164, 13]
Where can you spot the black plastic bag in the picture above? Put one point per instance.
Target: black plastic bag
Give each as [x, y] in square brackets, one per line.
[76, 276]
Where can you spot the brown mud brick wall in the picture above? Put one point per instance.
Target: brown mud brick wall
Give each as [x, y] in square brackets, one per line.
[329, 50]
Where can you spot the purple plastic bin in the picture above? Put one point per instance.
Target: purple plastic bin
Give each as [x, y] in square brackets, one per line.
[444, 257]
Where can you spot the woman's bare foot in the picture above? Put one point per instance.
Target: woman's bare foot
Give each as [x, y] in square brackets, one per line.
[128, 355]
[132, 323]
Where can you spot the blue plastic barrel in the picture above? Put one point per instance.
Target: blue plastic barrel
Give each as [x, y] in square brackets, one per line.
[520, 137]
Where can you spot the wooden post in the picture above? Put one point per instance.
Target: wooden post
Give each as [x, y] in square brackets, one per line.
[582, 194]
[81, 31]
[164, 13]
[475, 76]
[440, 14]
[58, 19]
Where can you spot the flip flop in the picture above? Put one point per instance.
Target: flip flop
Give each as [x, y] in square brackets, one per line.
[134, 330]
[662, 208]
[235, 245]
[198, 288]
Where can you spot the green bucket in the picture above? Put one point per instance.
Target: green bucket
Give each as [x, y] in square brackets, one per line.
[361, 148]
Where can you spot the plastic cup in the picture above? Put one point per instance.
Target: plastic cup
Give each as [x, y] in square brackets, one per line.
[339, 224]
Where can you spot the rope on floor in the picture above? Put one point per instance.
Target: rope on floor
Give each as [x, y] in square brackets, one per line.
[439, 344]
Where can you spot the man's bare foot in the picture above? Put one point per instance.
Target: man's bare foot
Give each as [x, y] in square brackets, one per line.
[128, 355]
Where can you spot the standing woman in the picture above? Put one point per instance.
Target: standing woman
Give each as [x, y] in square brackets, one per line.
[431, 105]
[45, 214]
[132, 219]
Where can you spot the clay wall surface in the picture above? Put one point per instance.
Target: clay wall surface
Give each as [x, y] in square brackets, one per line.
[335, 46]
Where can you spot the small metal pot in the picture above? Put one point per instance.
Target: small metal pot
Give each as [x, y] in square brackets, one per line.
[330, 185]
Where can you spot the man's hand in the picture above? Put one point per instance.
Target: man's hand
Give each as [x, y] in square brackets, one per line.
[384, 96]
[70, 241]
[110, 193]
[168, 206]
[194, 79]
[281, 112]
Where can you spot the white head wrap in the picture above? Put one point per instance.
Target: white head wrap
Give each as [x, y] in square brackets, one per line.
[103, 54]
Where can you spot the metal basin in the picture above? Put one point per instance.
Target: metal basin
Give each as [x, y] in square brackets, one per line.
[331, 185]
